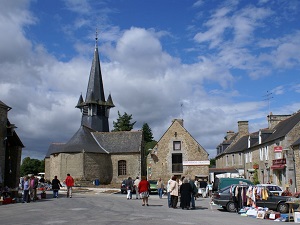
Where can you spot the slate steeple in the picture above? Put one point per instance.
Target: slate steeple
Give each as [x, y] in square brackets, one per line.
[95, 110]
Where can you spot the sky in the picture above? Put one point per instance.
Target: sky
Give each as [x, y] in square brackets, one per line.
[211, 63]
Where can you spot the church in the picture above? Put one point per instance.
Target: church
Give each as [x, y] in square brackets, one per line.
[95, 153]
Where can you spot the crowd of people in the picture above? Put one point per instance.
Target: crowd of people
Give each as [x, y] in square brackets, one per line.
[184, 190]
[30, 184]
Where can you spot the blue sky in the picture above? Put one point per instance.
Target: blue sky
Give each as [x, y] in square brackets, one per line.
[211, 63]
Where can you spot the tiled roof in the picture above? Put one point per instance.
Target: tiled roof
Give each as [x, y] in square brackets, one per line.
[296, 142]
[120, 142]
[238, 146]
[54, 148]
[3, 105]
[83, 140]
[284, 127]
[99, 142]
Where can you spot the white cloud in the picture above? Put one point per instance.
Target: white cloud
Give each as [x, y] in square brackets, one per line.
[143, 78]
[78, 6]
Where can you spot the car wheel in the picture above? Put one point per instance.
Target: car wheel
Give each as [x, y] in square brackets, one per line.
[231, 207]
[282, 208]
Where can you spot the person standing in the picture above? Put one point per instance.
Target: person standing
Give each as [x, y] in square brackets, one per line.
[160, 187]
[33, 184]
[169, 192]
[129, 187]
[209, 189]
[174, 192]
[144, 187]
[25, 190]
[193, 193]
[56, 185]
[69, 183]
[136, 187]
[185, 194]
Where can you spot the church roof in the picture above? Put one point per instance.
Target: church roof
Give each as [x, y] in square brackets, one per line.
[120, 141]
[99, 142]
[95, 91]
[83, 140]
[54, 148]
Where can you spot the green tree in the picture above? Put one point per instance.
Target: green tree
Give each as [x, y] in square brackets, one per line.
[123, 123]
[147, 133]
[212, 163]
[149, 145]
[31, 166]
[255, 177]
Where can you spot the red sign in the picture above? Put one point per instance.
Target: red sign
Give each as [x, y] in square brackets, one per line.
[277, 148]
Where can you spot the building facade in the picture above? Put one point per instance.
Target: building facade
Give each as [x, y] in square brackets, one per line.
[10, 150]
[268, 155]
[177, 153]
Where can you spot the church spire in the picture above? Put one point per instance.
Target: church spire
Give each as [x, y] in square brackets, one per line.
[95, 110]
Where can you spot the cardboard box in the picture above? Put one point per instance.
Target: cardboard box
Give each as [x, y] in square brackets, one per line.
[297, 217]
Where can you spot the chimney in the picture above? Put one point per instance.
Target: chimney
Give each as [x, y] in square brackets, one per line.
[229, 135]
[179, 121]
[243, 128]
[273, 120]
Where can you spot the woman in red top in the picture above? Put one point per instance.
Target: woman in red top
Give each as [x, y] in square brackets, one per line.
[144, 187]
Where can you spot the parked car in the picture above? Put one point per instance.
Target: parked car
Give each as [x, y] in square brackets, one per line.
[224, 199]
[123, 187]
[273, 188]
[153, 187]
[223, 182]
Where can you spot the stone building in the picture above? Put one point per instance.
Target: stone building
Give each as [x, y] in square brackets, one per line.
[94, 152]
[229, 159]
[268, 155]
[177, 153]
[10, 150]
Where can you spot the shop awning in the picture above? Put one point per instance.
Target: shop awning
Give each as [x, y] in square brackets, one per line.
[278, 167]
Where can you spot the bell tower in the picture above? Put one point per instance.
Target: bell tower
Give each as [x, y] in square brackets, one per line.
[94, 109]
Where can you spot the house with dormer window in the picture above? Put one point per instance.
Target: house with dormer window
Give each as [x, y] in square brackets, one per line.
[271, 152]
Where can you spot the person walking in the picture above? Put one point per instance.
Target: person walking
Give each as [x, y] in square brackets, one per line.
[69, 181]
[56, 185]
[26, 190]
[185, 194]
[136, 187]
[160, 188]
[144, 187]
[174, 192]
[129, 187]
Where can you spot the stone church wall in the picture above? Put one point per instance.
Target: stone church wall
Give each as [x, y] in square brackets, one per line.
[47, 168]
[98, 166]
[63, 163]
[133, 166]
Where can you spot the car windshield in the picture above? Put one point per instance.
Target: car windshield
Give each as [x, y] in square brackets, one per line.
[274, 188]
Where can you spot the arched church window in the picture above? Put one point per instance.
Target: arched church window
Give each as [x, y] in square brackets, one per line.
[121, 167]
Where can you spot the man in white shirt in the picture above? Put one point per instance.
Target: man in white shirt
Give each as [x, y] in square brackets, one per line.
[136, 187]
